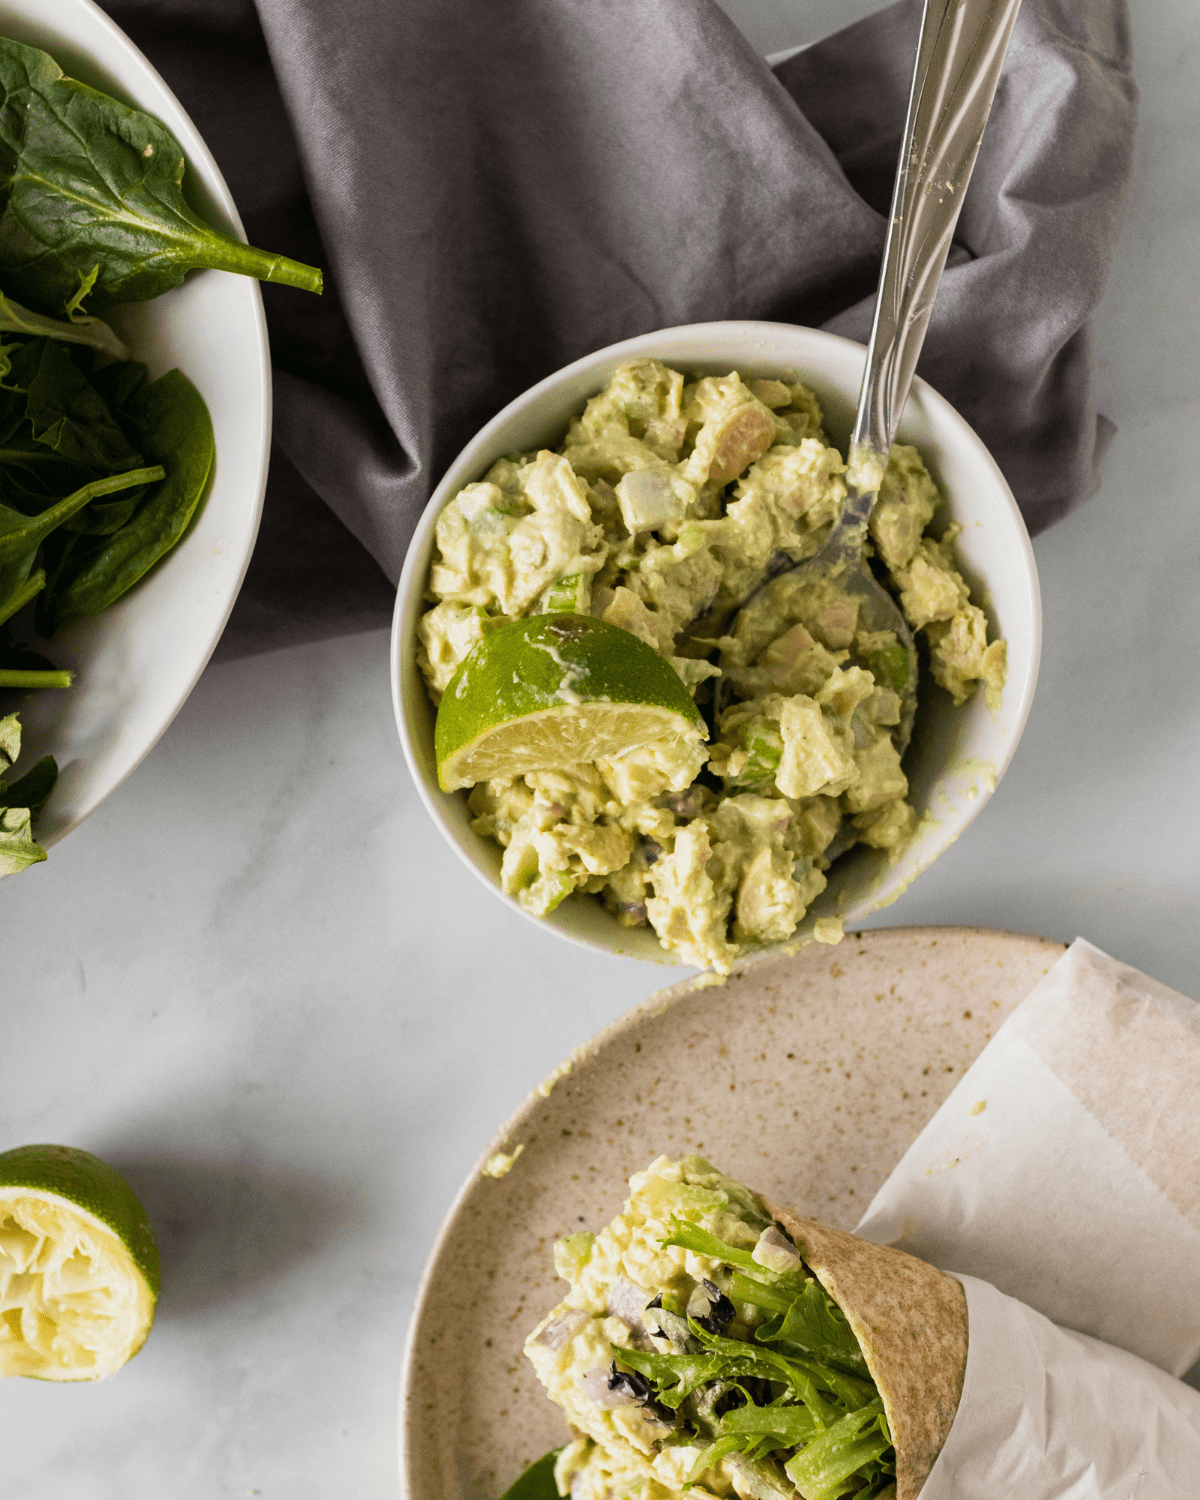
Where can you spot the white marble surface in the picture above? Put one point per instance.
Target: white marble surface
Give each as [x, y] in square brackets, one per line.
[258, 982]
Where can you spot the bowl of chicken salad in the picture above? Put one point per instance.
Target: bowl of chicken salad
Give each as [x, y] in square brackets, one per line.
[607, 723]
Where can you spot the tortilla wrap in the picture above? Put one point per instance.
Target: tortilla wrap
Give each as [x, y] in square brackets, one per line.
[910, 1320]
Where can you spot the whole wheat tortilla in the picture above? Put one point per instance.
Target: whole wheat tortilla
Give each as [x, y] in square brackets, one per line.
[911, 1322]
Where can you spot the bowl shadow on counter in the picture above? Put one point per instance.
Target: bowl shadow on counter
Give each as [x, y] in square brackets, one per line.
[227, 1229]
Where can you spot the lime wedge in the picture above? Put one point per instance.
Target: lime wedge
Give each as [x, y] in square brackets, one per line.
[79, 1270]
[554, 691]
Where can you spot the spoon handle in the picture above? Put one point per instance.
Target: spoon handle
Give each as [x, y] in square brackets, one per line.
[959, 56]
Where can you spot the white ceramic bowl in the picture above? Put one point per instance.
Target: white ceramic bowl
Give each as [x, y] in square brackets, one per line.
[138, 661]
[956, 756]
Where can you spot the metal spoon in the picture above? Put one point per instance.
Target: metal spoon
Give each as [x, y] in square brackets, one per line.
[959, 55]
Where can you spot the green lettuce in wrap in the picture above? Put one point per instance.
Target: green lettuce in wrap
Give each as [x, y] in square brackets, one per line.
[713, 1344]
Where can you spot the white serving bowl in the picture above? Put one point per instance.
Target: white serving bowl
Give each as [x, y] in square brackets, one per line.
[956, 756]
[138, 661]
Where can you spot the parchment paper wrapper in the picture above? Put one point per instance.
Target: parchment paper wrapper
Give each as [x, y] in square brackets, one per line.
[989, 1400]
[1047, 1414]
[1064, 1170]
[1065, 1166]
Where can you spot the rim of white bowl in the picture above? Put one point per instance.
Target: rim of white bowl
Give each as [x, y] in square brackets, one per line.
[467, 466]
[202, 162]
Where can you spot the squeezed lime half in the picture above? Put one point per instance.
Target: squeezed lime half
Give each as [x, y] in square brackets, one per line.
[79, 1269]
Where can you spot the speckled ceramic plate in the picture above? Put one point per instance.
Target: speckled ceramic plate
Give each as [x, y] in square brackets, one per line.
[805, 1077]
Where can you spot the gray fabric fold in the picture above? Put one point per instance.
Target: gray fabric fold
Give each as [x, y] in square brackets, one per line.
[496, 189]
[1008, 342]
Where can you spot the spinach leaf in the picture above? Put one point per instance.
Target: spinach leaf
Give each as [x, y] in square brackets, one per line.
[68, 415]
[18, 849]
[31, 791]
[93, 332]
[57, 432]
[21, 668]
[22, 594]
[537, 1482]
[14, 655]
[88, 573]
[21, 535]
[100, 471]
[10, 742]
[118, 384]
[90, 185]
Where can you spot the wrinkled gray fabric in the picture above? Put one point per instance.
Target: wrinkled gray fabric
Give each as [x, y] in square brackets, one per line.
[498, 188]
[1008, 342]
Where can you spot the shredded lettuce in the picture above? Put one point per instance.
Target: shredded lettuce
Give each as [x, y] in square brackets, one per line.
[674, 1376]
[832, 1461]
[815, 1323]
[792, 1424]
[796, 1390]
[808, 1380]
[807, 1315]
[713, 1454]
[823, 1468]
[760, 1294]
[700, 1242]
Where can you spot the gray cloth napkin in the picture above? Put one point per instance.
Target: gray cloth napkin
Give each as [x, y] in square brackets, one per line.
[497, 189]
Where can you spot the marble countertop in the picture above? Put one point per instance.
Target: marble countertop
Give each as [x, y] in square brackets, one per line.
[236, 983]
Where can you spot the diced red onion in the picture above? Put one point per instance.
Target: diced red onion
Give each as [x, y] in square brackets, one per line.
[562, 1329]
[627, 1301]
[775, 1251]
[594, 1385]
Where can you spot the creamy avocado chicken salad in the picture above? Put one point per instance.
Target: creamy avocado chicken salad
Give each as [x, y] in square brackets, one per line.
[696, 1348]
[669, 502]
